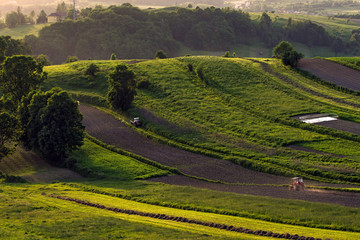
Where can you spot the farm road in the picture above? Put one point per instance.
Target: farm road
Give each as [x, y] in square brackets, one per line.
[111, 131]
[332, 72]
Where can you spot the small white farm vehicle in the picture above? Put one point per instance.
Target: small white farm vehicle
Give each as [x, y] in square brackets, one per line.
[297, 184]
[136, 122]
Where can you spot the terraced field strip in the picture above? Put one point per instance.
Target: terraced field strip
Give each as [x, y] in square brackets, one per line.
[112, 131]
[306, 89]
[332, 72]
[186, 220]
[245, 223]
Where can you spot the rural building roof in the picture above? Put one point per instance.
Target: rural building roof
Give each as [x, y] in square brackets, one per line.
[57, 15]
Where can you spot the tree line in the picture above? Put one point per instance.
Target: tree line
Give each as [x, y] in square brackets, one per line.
[130, 32]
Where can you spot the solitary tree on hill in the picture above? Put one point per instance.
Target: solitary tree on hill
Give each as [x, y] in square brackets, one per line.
[122, 87]
[285, 51]
[160, 54]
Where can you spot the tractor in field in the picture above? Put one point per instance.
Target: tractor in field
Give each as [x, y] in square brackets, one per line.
[297, 184]
[136, 122]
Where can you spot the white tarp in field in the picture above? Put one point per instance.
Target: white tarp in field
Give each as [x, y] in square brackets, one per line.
[318, 120]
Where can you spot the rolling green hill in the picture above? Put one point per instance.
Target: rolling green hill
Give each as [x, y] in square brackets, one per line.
[234, 109]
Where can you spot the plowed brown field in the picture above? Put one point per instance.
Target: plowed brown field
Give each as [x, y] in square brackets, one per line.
[111, 131]
[332, 72]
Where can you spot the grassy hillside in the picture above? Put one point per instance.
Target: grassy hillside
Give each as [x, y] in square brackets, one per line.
[23, 30]
[232, 109]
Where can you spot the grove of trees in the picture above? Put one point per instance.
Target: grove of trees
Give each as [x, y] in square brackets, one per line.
[47, 122]
[129, 32]
[51, 124]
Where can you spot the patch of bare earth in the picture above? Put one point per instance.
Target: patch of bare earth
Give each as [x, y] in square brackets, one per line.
[342, 125]
[332, 72]
[112, 131]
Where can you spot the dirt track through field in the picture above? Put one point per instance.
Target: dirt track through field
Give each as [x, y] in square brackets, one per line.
[332, 72]
[113, 132]
[341, 198]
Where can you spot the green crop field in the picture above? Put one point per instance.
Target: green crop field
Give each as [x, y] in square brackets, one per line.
[235, 109]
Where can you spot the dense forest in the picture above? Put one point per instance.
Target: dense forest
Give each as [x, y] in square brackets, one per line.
[129, 32]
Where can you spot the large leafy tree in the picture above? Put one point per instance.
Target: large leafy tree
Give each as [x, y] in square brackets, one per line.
[42, 17]
[8, 132]
[3, 47]
[20, 75]
[281, 49]
[122, 87]
[15, 46]
[285, 51]
[52, 124]
[11, 19]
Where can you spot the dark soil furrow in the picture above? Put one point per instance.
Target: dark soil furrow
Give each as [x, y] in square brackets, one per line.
[332, 72]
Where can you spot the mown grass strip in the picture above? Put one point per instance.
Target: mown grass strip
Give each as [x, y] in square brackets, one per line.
[186, 220]
[26, 214]
[208, 209]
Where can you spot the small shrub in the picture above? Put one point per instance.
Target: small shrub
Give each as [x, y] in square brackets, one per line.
[227, 54]
[43, 60]
[160, 54]
[190, 67]
[113, 56]
[71, 59]
[91, 70]
[143, 84]
[14, 179]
